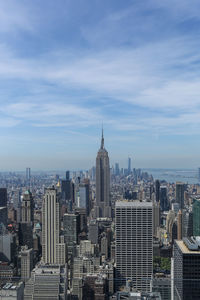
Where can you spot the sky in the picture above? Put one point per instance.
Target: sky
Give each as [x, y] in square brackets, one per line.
[67, 67]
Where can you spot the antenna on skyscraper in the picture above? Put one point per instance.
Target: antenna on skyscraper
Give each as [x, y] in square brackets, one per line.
[102, 139]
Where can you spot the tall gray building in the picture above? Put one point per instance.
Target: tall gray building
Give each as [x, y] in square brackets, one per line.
[134, 243]
[27, 207]
[53, 246]
[47, 282]
[26, 263]
[26, 225]
[103, 208]
[129, 165]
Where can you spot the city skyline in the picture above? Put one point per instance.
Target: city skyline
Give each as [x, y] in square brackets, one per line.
[67, 67]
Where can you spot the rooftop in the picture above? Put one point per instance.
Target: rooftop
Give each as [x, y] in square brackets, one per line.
[11, 286]
[126, 203]
[185, 250]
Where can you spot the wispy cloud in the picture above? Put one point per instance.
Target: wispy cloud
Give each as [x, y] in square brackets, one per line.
[133, 65]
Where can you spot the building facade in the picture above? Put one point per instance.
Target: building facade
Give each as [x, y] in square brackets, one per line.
[134, 243]
[53, 247]
[186, 269]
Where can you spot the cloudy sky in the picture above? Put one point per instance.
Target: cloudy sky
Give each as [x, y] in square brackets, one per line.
[68, 66]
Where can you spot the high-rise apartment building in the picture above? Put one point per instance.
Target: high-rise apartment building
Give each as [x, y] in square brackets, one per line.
[134, 243]
[180, 194]
[53, 246]
[103, 208]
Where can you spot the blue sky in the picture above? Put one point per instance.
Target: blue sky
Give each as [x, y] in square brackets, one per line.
[68, 66]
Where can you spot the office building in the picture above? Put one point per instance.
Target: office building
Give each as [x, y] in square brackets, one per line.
[162, 285]
[171, 216]
[134, 243]
[47, 282]
[53, 246]
[71, 229]
[67, 175]
[157, 188]
[180, 194]
[28, 174]
[163, 198]
[117, 171]
[156, 217]
[26, 263]
[27, 208]
[179, 225]
[6, 240]
[187, 223]
[103, 208]
[12, 291]
[3, 197]
[3, 206]
[129, 165]
[196, 217]
[93, 232]
[82, 197]
[186, 269]
[66, 188]
[27, 219]
[3, 215]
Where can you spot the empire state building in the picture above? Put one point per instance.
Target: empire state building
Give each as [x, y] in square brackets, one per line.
[103, 208]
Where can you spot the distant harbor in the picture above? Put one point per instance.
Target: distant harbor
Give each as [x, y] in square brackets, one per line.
[172, 175]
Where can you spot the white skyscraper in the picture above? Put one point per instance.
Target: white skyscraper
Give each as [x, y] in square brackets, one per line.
[134, 243]
[53, 247]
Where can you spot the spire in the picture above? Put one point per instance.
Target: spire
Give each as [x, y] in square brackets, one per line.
[102, 140]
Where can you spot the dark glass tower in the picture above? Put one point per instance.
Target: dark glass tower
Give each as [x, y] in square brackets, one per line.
[3, 197]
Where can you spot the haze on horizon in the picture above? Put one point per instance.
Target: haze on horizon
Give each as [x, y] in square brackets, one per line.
[68, 66]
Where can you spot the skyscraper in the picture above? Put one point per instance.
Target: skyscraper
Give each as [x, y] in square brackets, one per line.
[26, 224]
[134, 243]
[157, 183]
[28, 174]
[3, 197]
[186, 269]
[180, 194]
[103, 208]
[27, 207]
[196, 217]
[129, 165]
[26, 263]
[53, 247]
[3, 206]
[163, 198]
